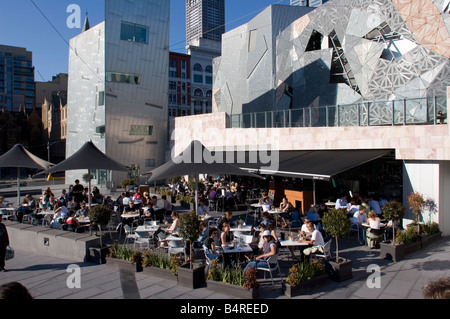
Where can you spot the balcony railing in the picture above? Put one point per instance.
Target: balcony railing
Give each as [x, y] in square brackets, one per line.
[374, 113]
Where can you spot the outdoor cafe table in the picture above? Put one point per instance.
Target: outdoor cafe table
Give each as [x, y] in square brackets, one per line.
[236, 249]
[238, 231]
[291, 244]
[10, 212]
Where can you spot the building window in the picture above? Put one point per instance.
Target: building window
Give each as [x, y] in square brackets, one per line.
[198, 78]
[198, 92]
[150, 163]
[209, 93]
[172, 74]
[134, 32]
[101, 98]
[123, 78]
[172, 63]
[208, 79]
[141, 130]
[172, 85]
[209, 69]
[198, 67]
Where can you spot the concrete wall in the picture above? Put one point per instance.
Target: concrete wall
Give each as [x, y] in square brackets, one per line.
[51, 242]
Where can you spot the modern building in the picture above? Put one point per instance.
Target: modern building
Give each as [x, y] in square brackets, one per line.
[118, 87]
[17, 89]
[204, 19]
[20, 122]
[353, 88]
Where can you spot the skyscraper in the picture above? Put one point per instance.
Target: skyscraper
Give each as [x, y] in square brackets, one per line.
[17, 90]
[204, 19]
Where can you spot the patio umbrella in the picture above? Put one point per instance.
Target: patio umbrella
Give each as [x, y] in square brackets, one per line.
[87, 157]
[194, 160]
[19, 157]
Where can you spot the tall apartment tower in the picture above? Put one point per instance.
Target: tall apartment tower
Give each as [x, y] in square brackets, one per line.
[205, 19]
[17, 89]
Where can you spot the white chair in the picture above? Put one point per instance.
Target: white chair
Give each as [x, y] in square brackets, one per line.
[247, 239]
[326, 251]
[129, 234]
[176, 247]
[209, 256]
[272, 265]
[142, 239]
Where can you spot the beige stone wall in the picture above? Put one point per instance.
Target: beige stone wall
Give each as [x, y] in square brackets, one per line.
[414, 142]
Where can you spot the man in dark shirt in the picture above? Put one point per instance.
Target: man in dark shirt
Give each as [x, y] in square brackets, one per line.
[4, 242]
[77, 191]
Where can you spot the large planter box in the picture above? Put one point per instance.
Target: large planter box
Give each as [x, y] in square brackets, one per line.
[159, 273]
[231, 290]
[409, 249]
[306, 286]
[339, 271]
[191, 278]
[392, 252]
[121, 264]
[429, 239]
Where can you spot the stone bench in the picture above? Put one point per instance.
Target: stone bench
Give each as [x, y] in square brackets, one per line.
[51, 242]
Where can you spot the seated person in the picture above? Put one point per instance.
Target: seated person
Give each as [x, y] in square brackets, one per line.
[226, 237]
[27, 208]
[73, 223]
[304, 231]
[341, 203]
[374, 233]
[59, 216]
[229, 198]
[148, 212]
[205, 232]
[265, 219]
[225, 219]
[213, 194]
[265, 199]
[172, 229]
[167, 208]
[313, 214]
[96, 197]
[316, 241]
[83, 211]
[202, 209]
[286, 209]
[131, 208]
[269, 249]
[210, 244]
[322, 209]
[359, 218]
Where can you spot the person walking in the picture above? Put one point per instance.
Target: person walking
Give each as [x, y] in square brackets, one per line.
[4, 242]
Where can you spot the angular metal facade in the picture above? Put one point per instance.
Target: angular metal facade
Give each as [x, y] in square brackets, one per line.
[343, 52]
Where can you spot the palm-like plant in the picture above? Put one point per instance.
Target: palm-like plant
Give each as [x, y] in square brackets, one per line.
[190, 230]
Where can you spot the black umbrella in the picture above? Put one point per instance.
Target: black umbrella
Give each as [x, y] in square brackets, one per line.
[194, 160]
[87, 157]
[19, 157]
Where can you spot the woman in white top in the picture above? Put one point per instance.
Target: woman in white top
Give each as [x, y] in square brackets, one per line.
[172, 230]
[374, 233]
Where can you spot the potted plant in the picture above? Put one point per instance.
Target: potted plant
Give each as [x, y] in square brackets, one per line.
[87, 177]
[125, 258]
[431, 234]
[99, 216]
[159, 264]
[189, 229]
[393, 211]
[127, 183]
[416, 204]
[337, 224]
[232, 281]
[410, 239]
[304, 277]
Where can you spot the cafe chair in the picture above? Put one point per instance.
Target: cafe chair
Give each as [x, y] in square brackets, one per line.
[247, 239]
[272, 265]
[129, 234]
[176, 247]
[326, 251]
[142, 240]
[209, 256]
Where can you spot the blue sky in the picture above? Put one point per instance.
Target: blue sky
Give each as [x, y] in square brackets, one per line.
[22, 25]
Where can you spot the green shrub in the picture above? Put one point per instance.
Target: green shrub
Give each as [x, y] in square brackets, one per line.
[161, 260]
[407, 236]
[431, 229]
[304, 271]
[232, 275]
[121, 252]
[126, 182]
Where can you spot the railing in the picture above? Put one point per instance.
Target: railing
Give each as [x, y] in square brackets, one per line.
[374, 113]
